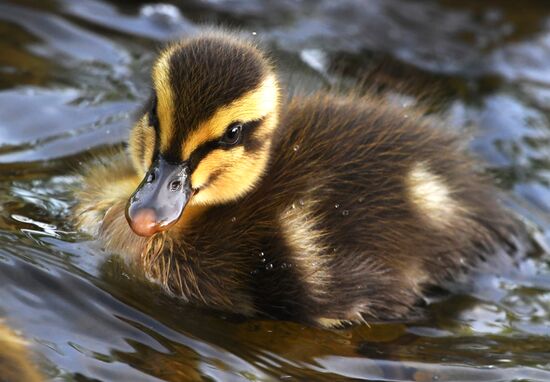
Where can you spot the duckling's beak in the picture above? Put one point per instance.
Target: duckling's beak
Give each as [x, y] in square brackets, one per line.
[160, 199]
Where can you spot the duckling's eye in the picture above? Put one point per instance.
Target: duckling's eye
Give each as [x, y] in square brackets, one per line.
[175, 185]
[233, 134]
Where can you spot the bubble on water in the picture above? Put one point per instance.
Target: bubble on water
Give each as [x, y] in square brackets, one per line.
[262, 260]
[296, 148]
[254, 33]
[336, 206]
[261, 254]
[345, 213]
[268, 267]
[233, 219]
[161, 13]
[254, 272]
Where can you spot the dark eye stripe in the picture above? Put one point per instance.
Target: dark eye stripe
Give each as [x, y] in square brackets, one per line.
[201, 152]
[152, 111]
[207, 147]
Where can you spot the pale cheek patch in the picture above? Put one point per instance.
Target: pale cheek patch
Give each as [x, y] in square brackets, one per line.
[233, 180]
[432, 196]
[213, 162]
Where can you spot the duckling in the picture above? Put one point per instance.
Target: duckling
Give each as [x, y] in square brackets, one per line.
[326, 209]
[15, 364]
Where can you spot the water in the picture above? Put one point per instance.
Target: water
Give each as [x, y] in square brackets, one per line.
[72, 72]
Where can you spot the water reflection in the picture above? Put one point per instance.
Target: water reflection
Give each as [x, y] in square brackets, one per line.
[72, 72]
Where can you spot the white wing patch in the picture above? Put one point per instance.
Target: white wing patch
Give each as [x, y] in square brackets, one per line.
[304, 240]
[432, 196]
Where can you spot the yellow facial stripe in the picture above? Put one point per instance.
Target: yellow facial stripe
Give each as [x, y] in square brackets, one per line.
[142, 144]
[148, 141]
[253, 105]
[165, 97]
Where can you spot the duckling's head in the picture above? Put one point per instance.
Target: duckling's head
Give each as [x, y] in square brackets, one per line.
[204, 137]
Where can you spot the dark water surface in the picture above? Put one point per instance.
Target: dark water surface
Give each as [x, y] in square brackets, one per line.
[71, 73]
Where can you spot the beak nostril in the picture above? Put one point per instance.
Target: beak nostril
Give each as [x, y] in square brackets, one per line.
[175, 185]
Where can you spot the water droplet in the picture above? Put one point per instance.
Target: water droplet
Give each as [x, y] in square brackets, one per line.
[268, 267]
[361, 199]
[233, 219]
[296, 148]
[345, 213]
[254, 33]
[336, 206]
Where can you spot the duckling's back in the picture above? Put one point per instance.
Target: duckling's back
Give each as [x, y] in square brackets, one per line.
[373, 204]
